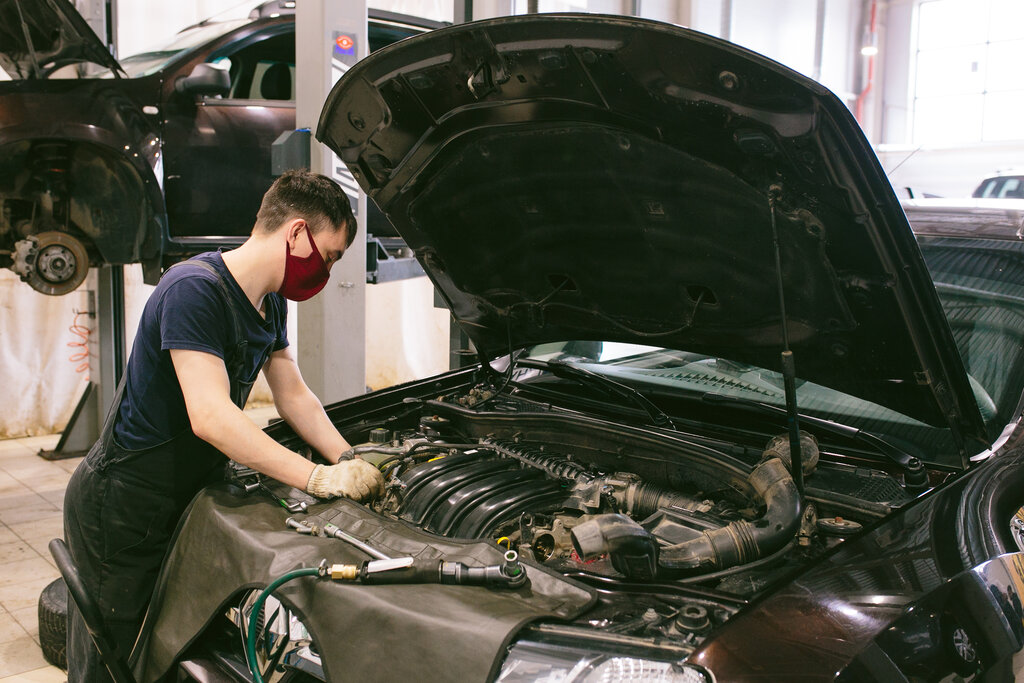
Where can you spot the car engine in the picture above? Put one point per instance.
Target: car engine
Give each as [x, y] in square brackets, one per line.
[620, 507]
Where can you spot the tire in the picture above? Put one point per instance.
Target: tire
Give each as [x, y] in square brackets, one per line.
[53, 623]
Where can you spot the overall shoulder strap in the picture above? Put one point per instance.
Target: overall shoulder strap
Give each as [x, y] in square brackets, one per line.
[239, 342]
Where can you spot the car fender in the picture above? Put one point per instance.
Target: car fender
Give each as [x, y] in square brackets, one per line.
[105, 189]
[103, 120]
[972, 625]
[834, 613]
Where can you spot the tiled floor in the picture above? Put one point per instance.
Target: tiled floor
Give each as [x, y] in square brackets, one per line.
[31, 497]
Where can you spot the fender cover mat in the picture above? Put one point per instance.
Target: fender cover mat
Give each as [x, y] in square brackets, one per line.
[363, 632]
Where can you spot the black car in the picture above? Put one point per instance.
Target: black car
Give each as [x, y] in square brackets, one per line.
[124, 162]
[731, 419]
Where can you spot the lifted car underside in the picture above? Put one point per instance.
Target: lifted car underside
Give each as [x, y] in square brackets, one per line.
[67, 205]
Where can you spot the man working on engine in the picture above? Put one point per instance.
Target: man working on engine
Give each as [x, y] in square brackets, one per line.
[207, 330]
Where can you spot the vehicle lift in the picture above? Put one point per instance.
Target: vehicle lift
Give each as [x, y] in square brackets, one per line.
[331, 37]
[106, 308]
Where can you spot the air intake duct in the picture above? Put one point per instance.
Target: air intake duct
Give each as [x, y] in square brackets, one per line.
[632, 550]
[741, 542]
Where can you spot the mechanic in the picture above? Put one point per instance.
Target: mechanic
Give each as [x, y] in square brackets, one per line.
[206, 331]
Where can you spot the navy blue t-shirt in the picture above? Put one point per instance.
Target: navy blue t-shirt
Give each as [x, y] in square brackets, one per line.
[188, 310]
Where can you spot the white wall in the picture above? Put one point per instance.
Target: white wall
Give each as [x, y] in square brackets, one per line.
[438, 10]
[783, 30]
[42, 386]
[896, 55]
[143, 25]
[406, 337]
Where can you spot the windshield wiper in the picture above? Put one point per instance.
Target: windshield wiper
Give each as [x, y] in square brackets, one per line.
[586, 377]
[913, 471]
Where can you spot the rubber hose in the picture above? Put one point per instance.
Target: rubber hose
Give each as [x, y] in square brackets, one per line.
[642, 500]
[741, 542]
[257, 607]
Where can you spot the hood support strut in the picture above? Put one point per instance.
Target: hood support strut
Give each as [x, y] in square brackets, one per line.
[788, 363]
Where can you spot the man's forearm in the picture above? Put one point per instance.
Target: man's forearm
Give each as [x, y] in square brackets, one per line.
[305, 414]
[234, 435]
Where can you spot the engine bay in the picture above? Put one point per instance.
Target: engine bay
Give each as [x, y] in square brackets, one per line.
[676, 535]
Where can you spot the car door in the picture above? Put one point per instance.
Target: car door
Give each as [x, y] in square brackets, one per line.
[217, 149]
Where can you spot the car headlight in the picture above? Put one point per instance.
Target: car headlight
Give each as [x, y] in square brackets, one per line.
[531, 662]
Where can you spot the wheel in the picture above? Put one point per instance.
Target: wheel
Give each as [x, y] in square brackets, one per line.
[53, 623]
[59, 265]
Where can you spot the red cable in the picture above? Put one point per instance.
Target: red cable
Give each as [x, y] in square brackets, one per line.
[83, 344]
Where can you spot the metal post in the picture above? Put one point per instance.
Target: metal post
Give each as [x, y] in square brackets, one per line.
[329, 38]
[726, 30]
[95, 13]
[819, 38]
[110, 323]
[86, 421]
[463, 11]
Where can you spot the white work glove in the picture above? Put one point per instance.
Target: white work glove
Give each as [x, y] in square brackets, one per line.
[355, 479]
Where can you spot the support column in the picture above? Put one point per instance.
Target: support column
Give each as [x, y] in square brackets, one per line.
[86, 422]
[110, 324]
[329, 38]
[100, 15]
[486, 9]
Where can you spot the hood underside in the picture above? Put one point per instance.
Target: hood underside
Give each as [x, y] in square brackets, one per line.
[589, 177]
[39, 36]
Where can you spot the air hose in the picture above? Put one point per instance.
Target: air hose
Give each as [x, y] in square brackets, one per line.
[509, 574]
[257, 607]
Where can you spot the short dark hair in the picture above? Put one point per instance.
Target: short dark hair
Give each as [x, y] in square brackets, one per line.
[311, 196]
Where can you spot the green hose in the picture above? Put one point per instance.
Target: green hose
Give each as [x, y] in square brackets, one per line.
[257, 607]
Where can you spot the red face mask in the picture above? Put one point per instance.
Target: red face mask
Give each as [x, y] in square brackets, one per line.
[303, 277]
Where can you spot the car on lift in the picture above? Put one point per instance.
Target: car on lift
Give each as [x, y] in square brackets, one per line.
[731, 420]
[131, 161]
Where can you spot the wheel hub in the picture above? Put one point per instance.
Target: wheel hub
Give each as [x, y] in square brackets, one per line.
[53, 263]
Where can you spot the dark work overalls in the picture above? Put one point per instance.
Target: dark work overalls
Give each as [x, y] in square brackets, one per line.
[121, 509]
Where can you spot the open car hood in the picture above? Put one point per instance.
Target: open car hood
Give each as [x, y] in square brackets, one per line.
[40, 35]
[609, 178]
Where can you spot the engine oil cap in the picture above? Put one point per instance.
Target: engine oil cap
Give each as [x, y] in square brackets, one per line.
[837, 526]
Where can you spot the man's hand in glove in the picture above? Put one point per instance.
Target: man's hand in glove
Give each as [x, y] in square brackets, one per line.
[355, 479]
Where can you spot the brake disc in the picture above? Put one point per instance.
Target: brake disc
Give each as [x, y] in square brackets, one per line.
[59, 266]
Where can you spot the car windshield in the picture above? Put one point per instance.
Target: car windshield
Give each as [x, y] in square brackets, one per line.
[980, 283]
[1001, 187]
[661, 374]
[151, 61]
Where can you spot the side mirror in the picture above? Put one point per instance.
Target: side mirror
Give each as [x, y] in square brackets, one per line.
[205, 80]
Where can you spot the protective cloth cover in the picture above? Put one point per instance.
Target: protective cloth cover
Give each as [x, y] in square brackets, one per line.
[364, 632]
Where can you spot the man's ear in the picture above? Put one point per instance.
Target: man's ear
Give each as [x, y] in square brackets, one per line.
[294, 229]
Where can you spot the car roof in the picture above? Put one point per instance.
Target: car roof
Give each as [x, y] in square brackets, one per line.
[282, 7]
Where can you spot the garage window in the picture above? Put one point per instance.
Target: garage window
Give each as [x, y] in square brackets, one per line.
[969, 84]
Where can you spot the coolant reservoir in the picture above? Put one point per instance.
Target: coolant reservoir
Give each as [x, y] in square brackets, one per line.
[378, 448]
